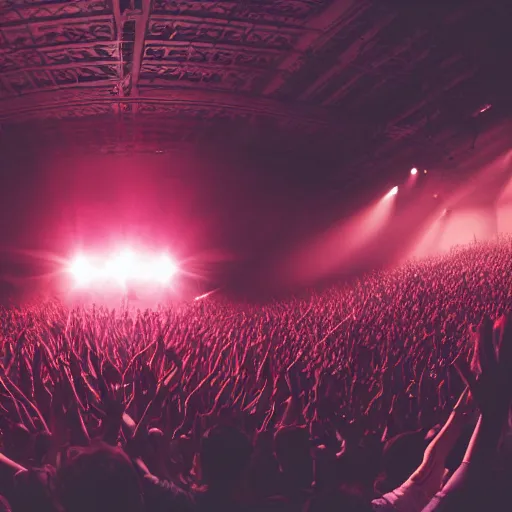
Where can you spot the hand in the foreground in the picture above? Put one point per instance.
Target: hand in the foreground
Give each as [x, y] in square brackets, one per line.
[491, 380]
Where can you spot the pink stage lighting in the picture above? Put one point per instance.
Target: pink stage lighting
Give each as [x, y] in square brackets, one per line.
[392, 192]
[414, 171]
[122, 268]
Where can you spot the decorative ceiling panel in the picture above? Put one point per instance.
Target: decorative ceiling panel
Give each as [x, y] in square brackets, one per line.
[361, 71]
[272, 12]
[53, 45]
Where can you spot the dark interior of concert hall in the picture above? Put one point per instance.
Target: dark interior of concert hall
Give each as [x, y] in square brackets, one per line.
[255, 255]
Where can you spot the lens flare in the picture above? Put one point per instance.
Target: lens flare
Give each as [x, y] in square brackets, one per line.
[82, 270]
[122, 268]
[165, 269]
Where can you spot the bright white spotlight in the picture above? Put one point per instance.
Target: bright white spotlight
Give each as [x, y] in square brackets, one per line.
[82, 270]
[414, 171]
[122, 268]
[164, 269]
[392, 192]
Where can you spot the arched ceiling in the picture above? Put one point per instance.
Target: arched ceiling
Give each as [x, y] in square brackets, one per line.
[362, 76]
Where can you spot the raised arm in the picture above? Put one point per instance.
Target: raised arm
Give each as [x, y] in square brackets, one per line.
[414, 494]
[492, 389]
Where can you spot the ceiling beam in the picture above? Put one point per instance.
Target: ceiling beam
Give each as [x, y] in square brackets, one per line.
[141, 23]
[35, 105]
[129, 71]
[318, 28]
[347, 57]
[119, 37]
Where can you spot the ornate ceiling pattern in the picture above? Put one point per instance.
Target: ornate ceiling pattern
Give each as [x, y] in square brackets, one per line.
[79, 58]
[361, 71]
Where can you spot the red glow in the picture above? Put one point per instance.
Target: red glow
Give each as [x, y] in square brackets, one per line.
[122, 268]
[414, 171]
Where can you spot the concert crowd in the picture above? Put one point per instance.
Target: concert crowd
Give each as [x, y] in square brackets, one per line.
[389, 393]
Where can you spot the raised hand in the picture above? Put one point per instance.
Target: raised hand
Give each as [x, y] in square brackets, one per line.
[490, 381]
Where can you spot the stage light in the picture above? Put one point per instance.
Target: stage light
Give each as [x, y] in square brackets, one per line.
[485, 108]
[122, 268]
[392, 192]
[165, 268]
[82, 270]
[414, 171]
[425, 171]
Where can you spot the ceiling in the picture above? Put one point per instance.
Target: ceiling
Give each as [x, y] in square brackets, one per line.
[364, 78]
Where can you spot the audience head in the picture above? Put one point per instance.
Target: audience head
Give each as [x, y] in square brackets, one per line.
[225, 454]
[293, 452]
[35, 490]
[401, 456]
[101, 479]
